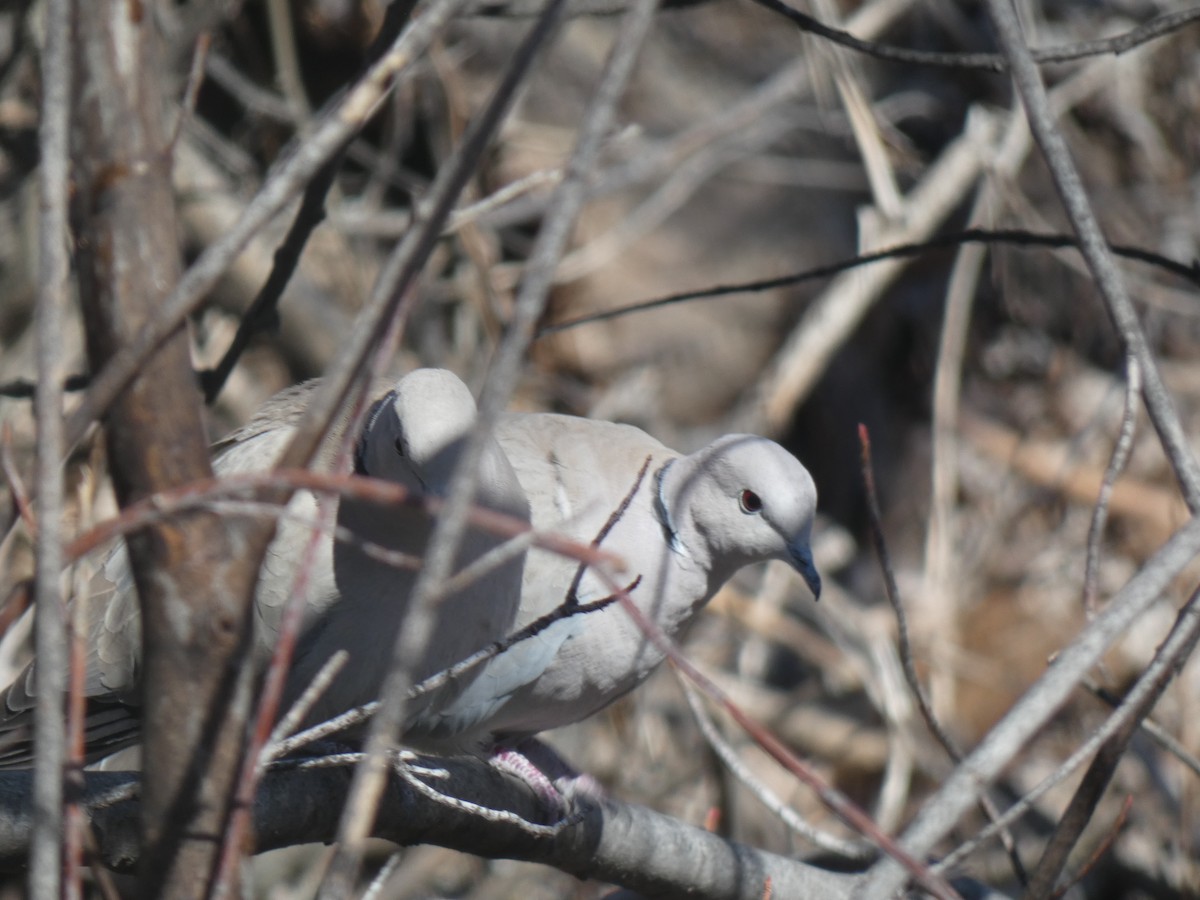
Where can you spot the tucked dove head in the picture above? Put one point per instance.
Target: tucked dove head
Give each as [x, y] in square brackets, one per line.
[412, 426]
[746, 499]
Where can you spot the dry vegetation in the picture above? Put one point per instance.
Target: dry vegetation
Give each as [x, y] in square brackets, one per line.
[990, 377]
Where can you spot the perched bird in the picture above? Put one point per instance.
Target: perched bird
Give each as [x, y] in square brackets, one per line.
[413, 436]
[682, 524]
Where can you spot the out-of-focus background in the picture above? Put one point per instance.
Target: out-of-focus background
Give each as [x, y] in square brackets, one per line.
[746, 151]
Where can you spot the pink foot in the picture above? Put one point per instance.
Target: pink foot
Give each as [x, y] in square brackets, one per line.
[548, 775]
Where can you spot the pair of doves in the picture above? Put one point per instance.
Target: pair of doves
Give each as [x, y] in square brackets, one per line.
[683, 525]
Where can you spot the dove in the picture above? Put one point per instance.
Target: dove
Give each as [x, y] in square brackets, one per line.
[413, 436]
[682, 524]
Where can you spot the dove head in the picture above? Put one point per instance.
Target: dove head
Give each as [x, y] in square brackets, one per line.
[413, 429]
[745, 499]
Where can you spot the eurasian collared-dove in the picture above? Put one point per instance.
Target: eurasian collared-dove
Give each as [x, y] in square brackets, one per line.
[413, 437]
[690, 524]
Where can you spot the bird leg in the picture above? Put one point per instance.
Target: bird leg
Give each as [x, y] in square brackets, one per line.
[555, 782]
[404, 764]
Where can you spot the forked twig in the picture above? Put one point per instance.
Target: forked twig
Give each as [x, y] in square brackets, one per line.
[361, 714]
[1156, 732]
[853, 850]
[1100, 851]
[892, 591]
[290, 720]
[617, 514]
[834, 800]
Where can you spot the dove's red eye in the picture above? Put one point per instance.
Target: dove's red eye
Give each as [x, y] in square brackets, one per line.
[750, 502]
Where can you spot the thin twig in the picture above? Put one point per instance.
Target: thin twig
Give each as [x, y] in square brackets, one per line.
[15, 604]
[304, 703]
[195, 81]
[1100, 851]
[287, 60]
[1156, 732]
[16, 484]
[617, 514]
[375, 889]
[892, 592]
[1020, 238]
[992, 62]
[1008, 237]
[201, 494]
[1116, 465]
[853, 850]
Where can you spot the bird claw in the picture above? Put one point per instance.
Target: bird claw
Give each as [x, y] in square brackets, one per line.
[564, 792]
[403, 766]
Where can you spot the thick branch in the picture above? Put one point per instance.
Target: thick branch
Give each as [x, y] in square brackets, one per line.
[194, 575]
[628, 845]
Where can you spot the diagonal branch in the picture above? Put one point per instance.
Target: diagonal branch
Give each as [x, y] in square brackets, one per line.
[344, 118]
[1159, 405]
[958, 793]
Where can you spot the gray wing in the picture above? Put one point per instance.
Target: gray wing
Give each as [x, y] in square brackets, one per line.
[574, 473]
[113, 654]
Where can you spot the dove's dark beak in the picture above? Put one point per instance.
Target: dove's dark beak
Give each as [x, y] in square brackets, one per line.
[802, 561]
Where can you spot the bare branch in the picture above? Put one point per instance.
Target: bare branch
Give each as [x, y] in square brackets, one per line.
[1116, 465]
[49, 832]
[615, 842]
[194, 605]
[1160, 26]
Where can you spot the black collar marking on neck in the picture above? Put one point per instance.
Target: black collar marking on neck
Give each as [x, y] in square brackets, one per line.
[664, 514]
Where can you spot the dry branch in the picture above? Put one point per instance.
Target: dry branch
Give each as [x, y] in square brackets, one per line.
[194, 575]
[614, 842]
